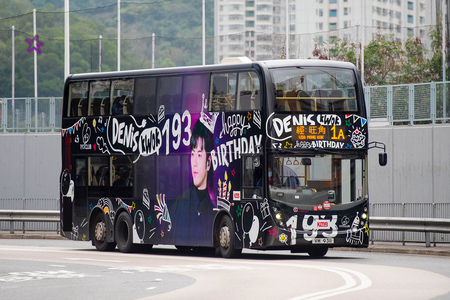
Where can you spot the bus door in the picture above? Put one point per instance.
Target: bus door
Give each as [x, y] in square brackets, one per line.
[80, 169]
[74, 181]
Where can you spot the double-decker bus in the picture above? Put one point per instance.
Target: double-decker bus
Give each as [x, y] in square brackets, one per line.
[260, 155]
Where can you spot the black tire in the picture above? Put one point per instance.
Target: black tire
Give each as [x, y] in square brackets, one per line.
[317, 252]
[99, 234]
[225, 237]
[124, 233]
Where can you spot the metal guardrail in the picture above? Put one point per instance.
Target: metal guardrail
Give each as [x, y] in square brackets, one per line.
[12, 216]
[426, 225]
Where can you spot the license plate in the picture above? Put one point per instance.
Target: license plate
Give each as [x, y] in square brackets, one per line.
[323, 241]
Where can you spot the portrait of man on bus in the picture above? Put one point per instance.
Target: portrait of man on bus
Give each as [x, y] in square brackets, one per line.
[192, 212]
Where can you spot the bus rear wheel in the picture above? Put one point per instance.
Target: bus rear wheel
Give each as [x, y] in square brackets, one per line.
[99, 234]
[317, 252]
[226, 238]
[124, 233]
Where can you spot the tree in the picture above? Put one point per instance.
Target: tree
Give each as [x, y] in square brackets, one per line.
[388, 61]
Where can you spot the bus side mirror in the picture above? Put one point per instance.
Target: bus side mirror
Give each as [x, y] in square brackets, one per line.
[382, 159]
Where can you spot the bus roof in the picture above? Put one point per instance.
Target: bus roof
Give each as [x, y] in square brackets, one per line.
[208, 68]
[281, 63]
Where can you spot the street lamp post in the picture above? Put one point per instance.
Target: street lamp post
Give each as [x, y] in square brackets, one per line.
[66, 39]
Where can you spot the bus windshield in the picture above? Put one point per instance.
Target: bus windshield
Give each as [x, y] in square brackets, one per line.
[315, 89]
[320, 181]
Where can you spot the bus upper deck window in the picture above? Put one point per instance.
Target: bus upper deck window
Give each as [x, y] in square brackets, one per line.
[223, 92]
[122, 95]
[99, 98]
[145, 96]
[248, 96]
[77, 99]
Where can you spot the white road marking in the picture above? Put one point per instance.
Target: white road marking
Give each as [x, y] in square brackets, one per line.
[350, 277]
[94, 259]
[350, 284]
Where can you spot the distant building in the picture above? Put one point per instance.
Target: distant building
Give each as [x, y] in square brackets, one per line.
[257, 28]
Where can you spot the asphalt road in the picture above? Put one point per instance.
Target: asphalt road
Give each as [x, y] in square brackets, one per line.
[63, 269]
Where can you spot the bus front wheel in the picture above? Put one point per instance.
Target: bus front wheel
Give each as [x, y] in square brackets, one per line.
[124, 233]
[99, 234]
[226, 238]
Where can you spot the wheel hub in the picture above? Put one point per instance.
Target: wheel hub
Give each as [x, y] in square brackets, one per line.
[225, 237]
[100, 231]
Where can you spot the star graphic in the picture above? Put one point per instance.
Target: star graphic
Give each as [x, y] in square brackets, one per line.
[348, 122]
[133, 206]
[233, 172]
[366, 229]
[149, 219]
[162, 233]
[239, 211]
[273, 232]
[260, 241]
[249, 116]
[31, 43]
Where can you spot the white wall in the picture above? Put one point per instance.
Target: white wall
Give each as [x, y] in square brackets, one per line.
[418, 169]
[30, 165]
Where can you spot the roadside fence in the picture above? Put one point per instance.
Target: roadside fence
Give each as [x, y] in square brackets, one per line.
[29, 204]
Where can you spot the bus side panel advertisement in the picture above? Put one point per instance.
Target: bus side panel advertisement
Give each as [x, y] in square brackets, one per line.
[197, 159]
[188, 167]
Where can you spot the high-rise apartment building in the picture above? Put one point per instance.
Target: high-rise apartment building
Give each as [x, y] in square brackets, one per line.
[245, 28]
[257, 28]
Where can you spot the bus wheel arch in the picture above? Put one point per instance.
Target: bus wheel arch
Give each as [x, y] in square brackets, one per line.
[98, 231]
[124, 232]
[224, 236]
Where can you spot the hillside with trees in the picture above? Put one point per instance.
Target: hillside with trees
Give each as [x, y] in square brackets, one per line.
[177, 25]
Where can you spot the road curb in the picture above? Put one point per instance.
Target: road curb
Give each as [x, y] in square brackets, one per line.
[31, 236]
[385, 247]
[436, 251]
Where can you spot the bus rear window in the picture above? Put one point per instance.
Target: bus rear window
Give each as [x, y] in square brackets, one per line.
[315, 89]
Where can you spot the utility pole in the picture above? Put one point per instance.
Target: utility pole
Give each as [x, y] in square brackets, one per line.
[35, 57]
[153, 50]
[100, 53]
[203, 34]
[66, 40]
[118, 35]
[13, 78]
[287, 29]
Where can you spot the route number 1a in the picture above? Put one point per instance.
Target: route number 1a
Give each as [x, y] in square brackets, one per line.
[340, 134]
